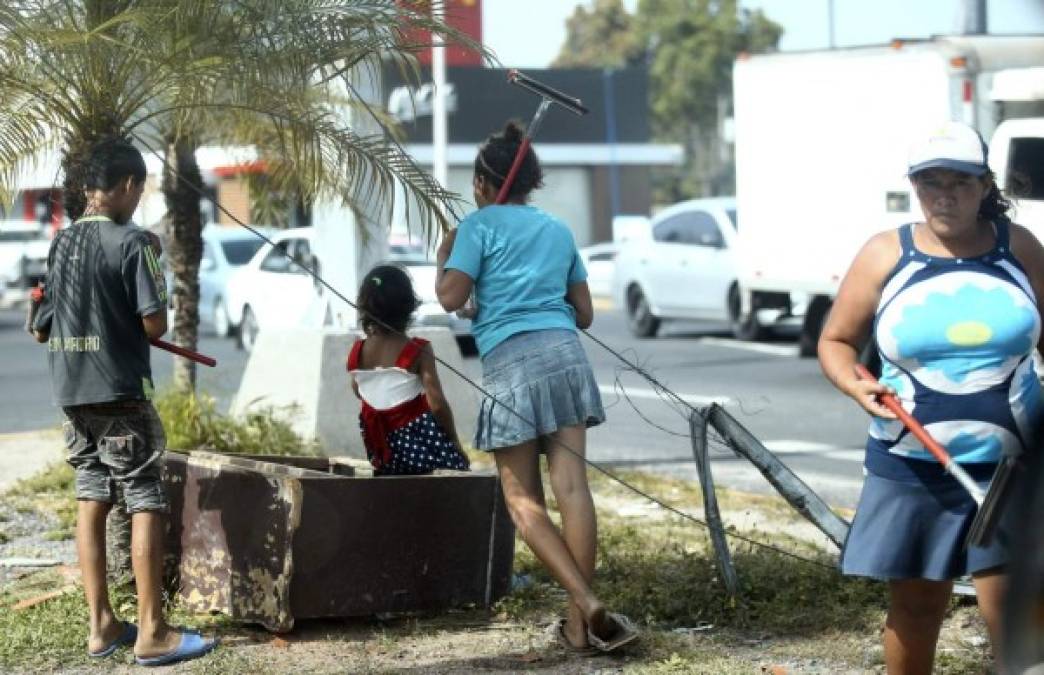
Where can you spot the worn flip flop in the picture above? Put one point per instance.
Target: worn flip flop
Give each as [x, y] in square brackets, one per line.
[193, 645]
[557, 631]
[127, 637]
[625, 633]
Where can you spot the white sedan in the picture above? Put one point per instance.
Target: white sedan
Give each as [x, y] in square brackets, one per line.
[272, 290]
[423, 272]
[686, 269]
[600, 261]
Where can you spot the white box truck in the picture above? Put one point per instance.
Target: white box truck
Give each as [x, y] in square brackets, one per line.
[821, 140]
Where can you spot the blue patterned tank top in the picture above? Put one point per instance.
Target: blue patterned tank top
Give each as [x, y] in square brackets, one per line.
[956, 338]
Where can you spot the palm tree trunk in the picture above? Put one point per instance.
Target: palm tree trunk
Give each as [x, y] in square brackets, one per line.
[182, 187]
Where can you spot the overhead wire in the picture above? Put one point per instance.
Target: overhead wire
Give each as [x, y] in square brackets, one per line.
[316, 277]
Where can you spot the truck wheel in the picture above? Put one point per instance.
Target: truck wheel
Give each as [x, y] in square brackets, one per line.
[743, 327]
[640, 318]
[815, 317]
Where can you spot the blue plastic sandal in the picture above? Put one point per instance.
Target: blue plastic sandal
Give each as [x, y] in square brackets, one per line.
[127, 637]
[192, 646]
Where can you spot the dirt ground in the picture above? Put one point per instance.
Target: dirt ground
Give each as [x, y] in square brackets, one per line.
[791, 617]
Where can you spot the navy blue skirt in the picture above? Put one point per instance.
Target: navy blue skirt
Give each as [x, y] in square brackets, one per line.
[916, 530]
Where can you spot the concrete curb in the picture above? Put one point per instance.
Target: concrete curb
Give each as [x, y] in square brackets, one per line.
[27, 453]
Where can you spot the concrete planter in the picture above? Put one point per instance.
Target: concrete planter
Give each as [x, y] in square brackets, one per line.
[281, 539]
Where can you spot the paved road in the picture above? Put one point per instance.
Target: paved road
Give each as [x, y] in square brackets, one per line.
[783, 399]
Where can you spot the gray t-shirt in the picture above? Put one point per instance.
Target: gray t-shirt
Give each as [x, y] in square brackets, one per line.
[101, 279]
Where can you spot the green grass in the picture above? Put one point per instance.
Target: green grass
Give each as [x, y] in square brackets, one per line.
[192, 422]
[49, 492]
[47, 635]
[657, 569]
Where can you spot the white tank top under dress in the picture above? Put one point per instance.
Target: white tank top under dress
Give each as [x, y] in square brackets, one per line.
[399, 430]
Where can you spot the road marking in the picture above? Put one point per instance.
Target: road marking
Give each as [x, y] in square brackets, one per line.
[789, 447]
[635, 392]
[775, 350]
[602, 303]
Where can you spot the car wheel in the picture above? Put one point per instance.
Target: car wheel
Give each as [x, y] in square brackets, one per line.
[640, 318]
[248, 331]
[812, 326]
[743, 327]
[222, 324]
[467, 345]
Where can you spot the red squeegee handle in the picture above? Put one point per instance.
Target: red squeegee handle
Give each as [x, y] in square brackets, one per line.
[938, 451]
[186, 353]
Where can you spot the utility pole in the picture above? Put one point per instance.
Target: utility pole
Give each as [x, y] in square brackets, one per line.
[831, 41]
[974, 17]
[438, 103]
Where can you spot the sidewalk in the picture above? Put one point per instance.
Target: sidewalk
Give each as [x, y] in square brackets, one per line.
[24, 454]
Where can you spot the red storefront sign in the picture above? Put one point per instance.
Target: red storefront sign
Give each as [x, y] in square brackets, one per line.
[466, 17]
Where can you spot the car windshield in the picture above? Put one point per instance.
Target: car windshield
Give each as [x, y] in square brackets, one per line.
[732, 217]
[240, 251]
[20, 235]
[408, 255]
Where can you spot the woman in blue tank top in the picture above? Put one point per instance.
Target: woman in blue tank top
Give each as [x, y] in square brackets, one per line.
[532, 295]
[954, 304]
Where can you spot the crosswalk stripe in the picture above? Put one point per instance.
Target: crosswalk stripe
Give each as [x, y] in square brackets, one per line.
[643, 393]
[761, 348]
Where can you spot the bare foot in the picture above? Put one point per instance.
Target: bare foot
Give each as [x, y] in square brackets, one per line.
[161, 641]
[105, 634]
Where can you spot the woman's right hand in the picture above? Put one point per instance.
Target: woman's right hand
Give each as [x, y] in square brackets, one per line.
[865, 393]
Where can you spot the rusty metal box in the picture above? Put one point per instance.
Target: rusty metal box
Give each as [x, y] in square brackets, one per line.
[270, 540]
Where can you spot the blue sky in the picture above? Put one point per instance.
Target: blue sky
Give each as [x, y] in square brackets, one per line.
[531, 38]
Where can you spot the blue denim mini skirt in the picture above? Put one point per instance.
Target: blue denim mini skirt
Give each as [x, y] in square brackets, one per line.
[545, 378]
[913, 530]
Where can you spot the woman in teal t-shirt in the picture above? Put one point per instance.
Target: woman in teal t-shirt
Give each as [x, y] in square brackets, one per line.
[531, 290]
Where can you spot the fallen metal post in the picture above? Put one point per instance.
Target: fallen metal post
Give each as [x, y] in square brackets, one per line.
[698, 434]
[792, 488]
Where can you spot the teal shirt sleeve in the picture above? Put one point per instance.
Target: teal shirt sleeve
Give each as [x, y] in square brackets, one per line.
[577, 271]
[466, 256]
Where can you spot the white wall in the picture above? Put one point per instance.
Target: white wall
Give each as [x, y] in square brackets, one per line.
[566, 194]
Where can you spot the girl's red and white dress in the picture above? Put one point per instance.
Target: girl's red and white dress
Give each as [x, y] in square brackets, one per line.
[400, 432]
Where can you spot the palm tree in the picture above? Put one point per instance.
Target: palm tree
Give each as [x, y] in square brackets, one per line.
[174, 74]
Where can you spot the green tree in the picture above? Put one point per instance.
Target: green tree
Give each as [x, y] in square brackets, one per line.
[689, 47]
[692, 45]
[603, 36]
[173, 74]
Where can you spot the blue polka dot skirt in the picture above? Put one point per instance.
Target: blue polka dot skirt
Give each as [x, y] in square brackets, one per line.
[421, 447]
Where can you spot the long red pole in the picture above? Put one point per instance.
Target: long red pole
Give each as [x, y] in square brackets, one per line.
[186, 353]
[920, 433]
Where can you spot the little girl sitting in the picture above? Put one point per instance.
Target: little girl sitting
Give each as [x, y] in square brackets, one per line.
[406, 422]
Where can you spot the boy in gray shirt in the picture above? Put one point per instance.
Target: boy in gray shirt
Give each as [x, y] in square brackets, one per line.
[104, 299]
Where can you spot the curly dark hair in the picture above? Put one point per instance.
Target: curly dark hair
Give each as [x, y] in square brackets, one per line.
[994, 205]
[494, 159]
[386, 299]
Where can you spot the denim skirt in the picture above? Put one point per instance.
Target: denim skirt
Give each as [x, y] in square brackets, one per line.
[539, 381]
[908, 529]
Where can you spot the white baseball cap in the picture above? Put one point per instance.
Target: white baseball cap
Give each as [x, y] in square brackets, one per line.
[952, 146]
